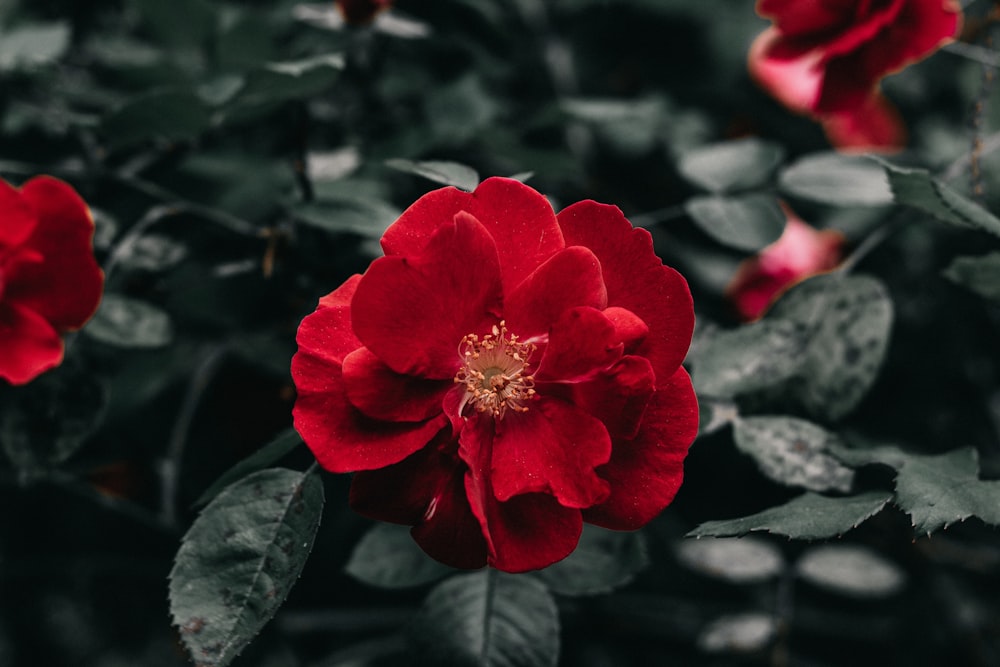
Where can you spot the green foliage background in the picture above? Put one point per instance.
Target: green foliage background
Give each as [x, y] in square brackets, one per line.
[242, 159]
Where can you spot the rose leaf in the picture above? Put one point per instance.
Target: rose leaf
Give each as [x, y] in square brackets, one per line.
[834, 178]
[603, 561]
[487, 619]
[125, 322]
[748, 222]
[240, 558]
[448, 173]
[731, 165]
[981, 274]
[809, 517]
[387, 557]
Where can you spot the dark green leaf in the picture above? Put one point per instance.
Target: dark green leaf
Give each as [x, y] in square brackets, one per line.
[980, 274]
[388, 557]
[44, 422]
[747, 223]
[152, 252]
[487, 619]
[835, 178]
[460, 111]
[178, 22]
[851, 570]
[275, 83]
[732, 165]
[809, 516]
[240, 558]
[603, 561]
[743, 560]
[935, 491]
[749, 358]
[848, 318]
[748, 632]
[126, 322]
[448, 173]
[365, 217]
[917, 188]
[793, 452]
[263, 457]
[171, 115]
[33, 45]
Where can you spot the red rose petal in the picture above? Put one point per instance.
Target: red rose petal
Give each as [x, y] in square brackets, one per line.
[339, 435]
[795, 18]
[412, 312]
[525, 533]
[326, 333]
[875, 125]
[629, 327]
[65, 288]
[552, 448]
[619, 396]
[582, 343]
[519, 219]
[645, 473]
[29, 345]
[379, 392]
[571, 277]
[792, 73]
[19, 218]
[636, 279]
[428, 493]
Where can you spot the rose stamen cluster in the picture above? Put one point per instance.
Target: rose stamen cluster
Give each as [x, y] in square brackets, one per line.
[495, 372]
[565, 403]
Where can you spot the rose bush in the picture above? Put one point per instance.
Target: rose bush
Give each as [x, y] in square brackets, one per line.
[502, 375]
[826, 59]
[800, 252]
[50, 282]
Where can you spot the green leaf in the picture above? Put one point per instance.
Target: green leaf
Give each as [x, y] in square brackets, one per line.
[448, 173]
[744, 560]
[603, 561]
[152, 252]
[794, 452]
[980, 274]
[171, 115]
[388, 557]
[46, 421]
[275, 83]
[270, 453]
[917, 188]
[368, 218]
[834, 178]
[809, 516]
[851, 570]
[848, 319]
[731, 165]
[126, 322]
[747, 223]
[32, 46]
[749, 358]
[240, 558]
[935, 490]
[178, 22]
[487, 619]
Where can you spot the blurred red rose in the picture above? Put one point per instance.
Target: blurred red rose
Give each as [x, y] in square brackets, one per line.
[502, 375]
[50, 282]
[826, 59]
[800, 252]
[361, 12]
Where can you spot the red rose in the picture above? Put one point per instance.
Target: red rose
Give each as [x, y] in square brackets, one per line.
[502, 375]
[800, 252]
[361, 12]
[50, 282]
[826, 59]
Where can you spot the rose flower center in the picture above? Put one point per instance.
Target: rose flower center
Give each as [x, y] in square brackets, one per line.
[495, 372]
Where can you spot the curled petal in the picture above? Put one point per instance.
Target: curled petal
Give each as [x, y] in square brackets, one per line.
[29, 345]
[646, 472]
[636, 280]
[65, 288]
[426, 491]
[618, 397]
[582, 343]
[379, 392]
[629, 327]
[519, 219]
[339, 435]
[571, 277]
[791, 72]
[411, 312]
[552, 448]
